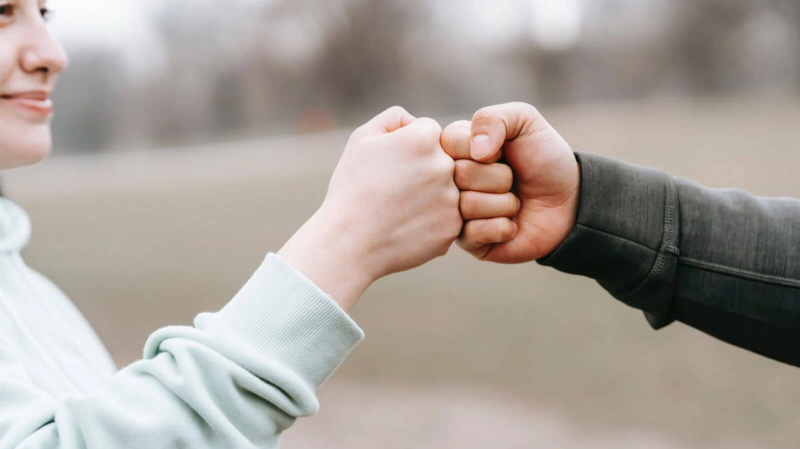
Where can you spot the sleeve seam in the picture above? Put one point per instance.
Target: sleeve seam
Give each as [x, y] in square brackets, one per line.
[740, 273]
[669, 245]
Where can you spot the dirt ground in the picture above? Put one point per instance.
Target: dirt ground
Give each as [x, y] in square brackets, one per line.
[458, 353]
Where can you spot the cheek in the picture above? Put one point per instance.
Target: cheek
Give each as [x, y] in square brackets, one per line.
[7, 61]
[23, 140]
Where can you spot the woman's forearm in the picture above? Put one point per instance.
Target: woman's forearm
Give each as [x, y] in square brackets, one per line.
[326, 252]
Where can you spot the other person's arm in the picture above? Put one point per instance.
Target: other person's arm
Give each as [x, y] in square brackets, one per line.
[722, 261]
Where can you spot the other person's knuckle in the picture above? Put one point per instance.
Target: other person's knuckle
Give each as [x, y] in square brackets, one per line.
[463, 173]
[513, 203]
[507, 229]
[506, 176]
[467, 203]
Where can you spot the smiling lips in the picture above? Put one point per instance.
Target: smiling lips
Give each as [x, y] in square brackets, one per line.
[36, 101]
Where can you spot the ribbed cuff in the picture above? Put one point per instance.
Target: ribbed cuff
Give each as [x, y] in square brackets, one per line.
[625, 234]
[282, 314]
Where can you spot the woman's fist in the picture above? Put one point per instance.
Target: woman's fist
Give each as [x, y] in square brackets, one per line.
[391, 205]
[394, 186]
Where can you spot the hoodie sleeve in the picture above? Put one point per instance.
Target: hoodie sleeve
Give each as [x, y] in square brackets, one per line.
[236, 379]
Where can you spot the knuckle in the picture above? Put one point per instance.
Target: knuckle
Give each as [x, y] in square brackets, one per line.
[467, 204]
[513, 203]
[453, 196]
[455, 137]
[507, 176]
[459, 125]
[464, 173]
[433, 124]
[480, 230]
[507, 230]
[448, 165]
[525, 108]
[447, 139]
[433, 130]
[450, 138]
[396, 110]
[470, 234]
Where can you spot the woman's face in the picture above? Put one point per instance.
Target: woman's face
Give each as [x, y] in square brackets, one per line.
[30, 61]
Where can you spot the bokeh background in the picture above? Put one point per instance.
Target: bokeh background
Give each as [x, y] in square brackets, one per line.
[194, 136]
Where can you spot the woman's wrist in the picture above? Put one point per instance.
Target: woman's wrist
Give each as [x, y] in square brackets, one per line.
[322, 252]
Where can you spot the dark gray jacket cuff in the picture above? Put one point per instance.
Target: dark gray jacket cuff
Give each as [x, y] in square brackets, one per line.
[625, 235]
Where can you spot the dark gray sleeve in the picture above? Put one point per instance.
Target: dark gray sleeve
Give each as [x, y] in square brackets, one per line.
[720, 260]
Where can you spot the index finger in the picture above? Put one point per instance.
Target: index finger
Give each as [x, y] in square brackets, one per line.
[455, 140]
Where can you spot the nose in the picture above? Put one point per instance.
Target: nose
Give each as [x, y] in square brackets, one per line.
[43, 54]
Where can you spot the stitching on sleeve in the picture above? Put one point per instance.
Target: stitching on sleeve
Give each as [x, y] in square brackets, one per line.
[740, 273]
[669, 239]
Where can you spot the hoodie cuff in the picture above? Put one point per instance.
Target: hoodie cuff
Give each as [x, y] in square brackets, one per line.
[625, 234]
[282, 314]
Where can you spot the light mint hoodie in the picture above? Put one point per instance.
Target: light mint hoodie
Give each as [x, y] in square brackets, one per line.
[236, 379]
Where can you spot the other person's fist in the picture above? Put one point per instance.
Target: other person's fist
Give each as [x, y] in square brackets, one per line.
[544, 173]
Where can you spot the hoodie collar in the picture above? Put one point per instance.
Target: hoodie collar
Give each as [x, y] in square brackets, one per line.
[15, 227]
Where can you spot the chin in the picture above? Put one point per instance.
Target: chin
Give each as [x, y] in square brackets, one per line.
[25, 146]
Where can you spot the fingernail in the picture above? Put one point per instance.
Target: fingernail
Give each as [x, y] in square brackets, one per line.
[480, 146]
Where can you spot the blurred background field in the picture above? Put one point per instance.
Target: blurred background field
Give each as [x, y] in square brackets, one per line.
[177, 115]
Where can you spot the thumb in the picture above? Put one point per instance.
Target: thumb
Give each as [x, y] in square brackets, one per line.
[492, 126]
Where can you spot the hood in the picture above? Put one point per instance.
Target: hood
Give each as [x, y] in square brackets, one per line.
[15, 227]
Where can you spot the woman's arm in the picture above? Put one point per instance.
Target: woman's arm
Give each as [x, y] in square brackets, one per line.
[242, 375]
[237, 378]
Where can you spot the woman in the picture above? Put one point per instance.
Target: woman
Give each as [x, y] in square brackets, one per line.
[239, 376]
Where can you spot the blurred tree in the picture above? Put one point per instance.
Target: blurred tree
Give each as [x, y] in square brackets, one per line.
[89, 96]
[363, 56]
[703, 40]
[262, 66]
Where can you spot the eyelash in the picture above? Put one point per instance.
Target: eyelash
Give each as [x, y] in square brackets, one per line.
[8, 11]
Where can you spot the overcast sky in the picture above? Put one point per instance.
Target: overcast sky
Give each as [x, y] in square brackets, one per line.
[115, 22]
[88, 22]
